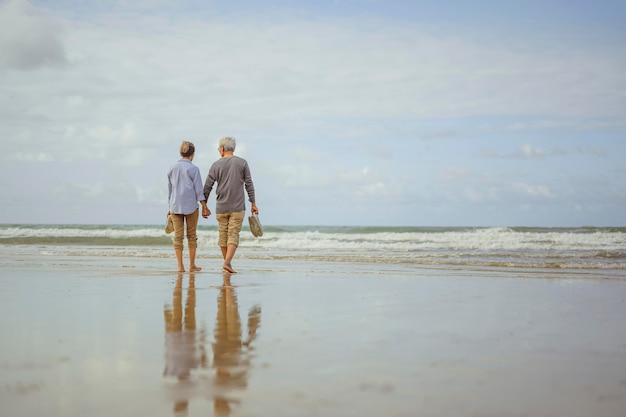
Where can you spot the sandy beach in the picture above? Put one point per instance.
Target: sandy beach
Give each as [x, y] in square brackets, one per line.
[130, 337]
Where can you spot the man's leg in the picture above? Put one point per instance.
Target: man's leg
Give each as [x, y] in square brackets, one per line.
[222, 227]
[230, 254]
[235, 221]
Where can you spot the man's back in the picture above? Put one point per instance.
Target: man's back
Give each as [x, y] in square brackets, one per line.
[230, 173]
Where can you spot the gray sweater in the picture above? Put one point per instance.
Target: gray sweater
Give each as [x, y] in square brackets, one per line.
[232, 174]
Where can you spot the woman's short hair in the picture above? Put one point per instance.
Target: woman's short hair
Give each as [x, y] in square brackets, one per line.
[187, 149]
[228, 143]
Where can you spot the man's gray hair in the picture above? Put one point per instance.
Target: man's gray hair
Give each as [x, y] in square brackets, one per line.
[228, 143]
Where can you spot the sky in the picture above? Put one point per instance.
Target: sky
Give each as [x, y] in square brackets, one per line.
[355, 112]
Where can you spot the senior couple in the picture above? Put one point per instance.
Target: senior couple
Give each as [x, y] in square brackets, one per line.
[232, 175]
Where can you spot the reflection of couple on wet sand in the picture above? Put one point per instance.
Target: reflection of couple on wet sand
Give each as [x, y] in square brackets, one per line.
[186, 350]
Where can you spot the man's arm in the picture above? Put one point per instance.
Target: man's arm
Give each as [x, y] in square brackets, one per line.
[247, 181]
[208, 184]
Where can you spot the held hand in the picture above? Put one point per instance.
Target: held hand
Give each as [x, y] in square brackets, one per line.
[254, 209]
[205, 209]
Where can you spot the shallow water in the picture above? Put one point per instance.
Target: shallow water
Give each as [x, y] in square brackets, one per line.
[124, 336]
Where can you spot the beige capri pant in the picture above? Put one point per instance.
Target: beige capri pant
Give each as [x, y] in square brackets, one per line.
[179, 221]
[229, 226]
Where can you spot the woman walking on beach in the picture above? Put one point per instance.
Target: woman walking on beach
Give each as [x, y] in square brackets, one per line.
[232, 174]
[185, 191]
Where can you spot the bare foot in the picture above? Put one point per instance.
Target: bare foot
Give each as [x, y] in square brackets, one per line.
[228, 268]
[194, 268]
[181, 269]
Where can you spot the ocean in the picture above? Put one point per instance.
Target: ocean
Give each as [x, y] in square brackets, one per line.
[579, 249]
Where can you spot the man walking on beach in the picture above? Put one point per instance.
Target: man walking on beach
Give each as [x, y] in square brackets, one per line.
[232, 174]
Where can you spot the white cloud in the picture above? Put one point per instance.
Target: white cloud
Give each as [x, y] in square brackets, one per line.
[473, 196]
[32, 157]
[75, 101]
[378, 150]
[28, 39]
[593, 150]
[526, 151]
[104, 134]
[73, 192]
[301, 176]
[533, 191]
[439, 134]
[453, 174]
[541, 124]
[491, 190]
[150, 195]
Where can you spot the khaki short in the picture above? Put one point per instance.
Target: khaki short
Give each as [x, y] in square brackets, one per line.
[229, 226]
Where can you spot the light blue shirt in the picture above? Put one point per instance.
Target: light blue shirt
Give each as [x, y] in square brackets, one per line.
[185, 187]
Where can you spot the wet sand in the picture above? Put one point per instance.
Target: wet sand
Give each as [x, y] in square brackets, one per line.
[130, 337]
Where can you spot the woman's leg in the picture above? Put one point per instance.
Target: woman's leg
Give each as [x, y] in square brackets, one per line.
[192, 239]
[179, 234]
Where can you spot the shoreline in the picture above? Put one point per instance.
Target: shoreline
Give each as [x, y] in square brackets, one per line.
[34, 258]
